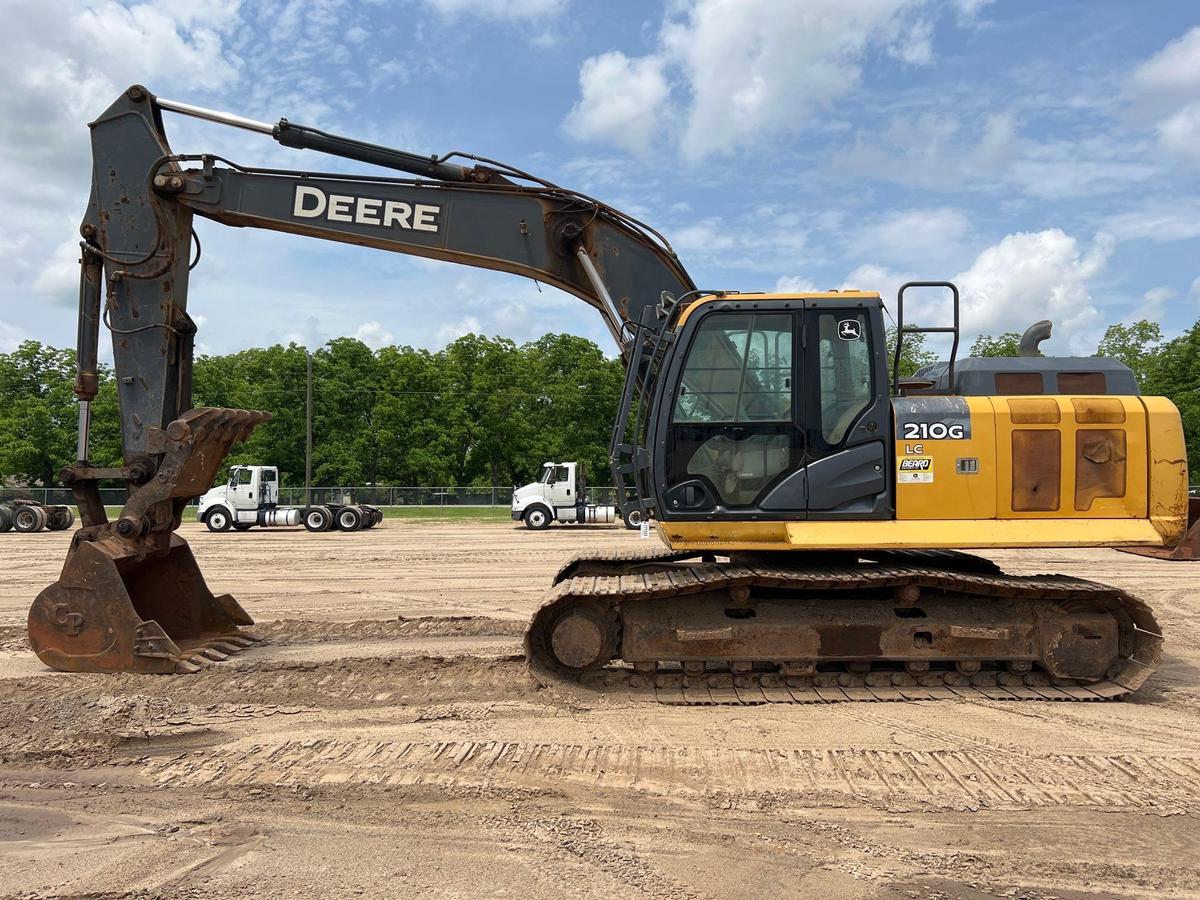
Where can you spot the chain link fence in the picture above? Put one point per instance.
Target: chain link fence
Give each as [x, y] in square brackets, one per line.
[376, 495]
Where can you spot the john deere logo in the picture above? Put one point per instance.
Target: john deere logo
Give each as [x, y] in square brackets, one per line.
[849, 330]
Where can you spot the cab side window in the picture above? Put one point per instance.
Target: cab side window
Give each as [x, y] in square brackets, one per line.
[844, 351]
[738, 371]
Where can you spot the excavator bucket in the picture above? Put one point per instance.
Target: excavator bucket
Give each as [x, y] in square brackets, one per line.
[131, 597]
[120, 607]
[1188, 547]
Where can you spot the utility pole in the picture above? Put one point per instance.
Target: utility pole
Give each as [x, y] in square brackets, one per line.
[308, 435]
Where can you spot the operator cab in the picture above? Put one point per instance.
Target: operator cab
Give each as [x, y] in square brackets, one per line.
[775, 406]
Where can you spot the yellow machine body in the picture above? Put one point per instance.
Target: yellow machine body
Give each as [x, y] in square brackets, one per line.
[1038, 471]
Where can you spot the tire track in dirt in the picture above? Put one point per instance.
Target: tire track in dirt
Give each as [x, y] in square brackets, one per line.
[585, 840]
[287, 632]
[947, 779]
[343, 684]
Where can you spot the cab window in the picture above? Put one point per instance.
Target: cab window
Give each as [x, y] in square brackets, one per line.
[844, 352]
[738, 371]
[244, 476]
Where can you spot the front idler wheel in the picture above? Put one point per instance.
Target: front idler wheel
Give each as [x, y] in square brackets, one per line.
[584, 637]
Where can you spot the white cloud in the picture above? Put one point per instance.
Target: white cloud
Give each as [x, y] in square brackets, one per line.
[1166, 89]
[1153, 305]
[1180, 134]
[1024, 277]
[794, 284]
[935, 151]
[498, 9]
[763, 238]
[1029, 276]
[886, 283]
[10, 337]
[912, 236]
[621, 101]
[374, 335]
[452, 331]
[1176, 219]
[67, 62]
[745, 69]
[1172, 76]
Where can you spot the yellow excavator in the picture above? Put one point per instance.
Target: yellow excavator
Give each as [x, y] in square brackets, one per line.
[812, 505]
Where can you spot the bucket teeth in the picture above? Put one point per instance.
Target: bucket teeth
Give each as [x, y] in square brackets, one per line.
[183, 667]
[214, 654]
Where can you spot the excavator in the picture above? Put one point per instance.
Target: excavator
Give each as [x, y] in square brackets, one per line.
[813, 506]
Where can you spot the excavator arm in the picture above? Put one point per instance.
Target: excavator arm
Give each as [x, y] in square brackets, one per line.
[131, 596]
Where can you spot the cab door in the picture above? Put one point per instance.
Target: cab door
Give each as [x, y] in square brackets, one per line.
[847, 412]
[731, 425]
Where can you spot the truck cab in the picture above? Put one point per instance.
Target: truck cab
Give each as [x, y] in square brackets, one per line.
[558, 488]
[559, 495]
[237, 502]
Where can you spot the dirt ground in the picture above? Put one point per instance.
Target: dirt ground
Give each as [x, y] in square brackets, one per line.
[389, 742]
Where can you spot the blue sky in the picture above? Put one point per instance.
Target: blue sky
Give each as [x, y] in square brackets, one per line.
[1044, 155]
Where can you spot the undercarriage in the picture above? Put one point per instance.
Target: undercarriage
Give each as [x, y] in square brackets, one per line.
[878, 625]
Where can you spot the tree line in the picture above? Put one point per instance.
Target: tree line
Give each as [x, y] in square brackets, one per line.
[480, 412]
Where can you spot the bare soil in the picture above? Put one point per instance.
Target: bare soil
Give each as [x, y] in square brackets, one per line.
[389, 742]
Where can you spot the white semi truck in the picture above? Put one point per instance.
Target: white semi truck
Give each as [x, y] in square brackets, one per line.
[251, 497]
[560, 495]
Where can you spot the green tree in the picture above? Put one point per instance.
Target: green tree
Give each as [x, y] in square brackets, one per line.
[270, 379]
[1136, 345]
[1007, 344]
[38, 414]
[1175, 373]
[914, 354]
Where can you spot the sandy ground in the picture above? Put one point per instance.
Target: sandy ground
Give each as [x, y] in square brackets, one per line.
[390, 743]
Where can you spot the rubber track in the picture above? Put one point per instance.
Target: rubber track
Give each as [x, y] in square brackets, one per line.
[660, 577]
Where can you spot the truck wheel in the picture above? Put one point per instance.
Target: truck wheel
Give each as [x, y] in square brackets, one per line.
[317, 518]
[633, 518]
[28, 519]
[371, 516]
[6, 519]
[218, 519]
[537, 518]
[349, 518]
[61, 518]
